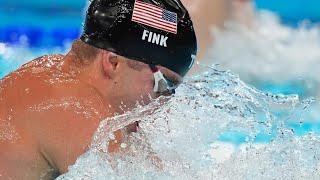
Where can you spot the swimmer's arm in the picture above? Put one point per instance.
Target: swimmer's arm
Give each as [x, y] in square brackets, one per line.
[63, 139]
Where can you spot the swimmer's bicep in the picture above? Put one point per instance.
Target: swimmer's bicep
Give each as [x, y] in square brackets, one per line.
[69, 136]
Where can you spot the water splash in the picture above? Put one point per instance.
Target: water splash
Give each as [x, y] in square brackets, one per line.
[176, 140]
[182, 139]
[269, 52]
[287, 157]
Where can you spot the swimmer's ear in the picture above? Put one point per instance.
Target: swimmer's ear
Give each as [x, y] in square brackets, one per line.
[110, 62]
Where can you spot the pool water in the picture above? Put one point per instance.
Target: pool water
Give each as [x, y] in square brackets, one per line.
[292, 11]
[219, 126]
[271, 56]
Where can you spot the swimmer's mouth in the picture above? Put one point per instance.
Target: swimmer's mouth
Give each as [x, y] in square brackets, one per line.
[134, 127]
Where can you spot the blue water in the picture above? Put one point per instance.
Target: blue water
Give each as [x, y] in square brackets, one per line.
[52, 23]
[32, 28]
[50, 26]
[45, 23]
[292, 11]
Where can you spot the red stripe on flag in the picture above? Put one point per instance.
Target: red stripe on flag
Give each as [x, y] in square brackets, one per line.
[147, 4]
[156, 25]
[151, 15]
[149, 8]
[156, 22]
[161, 28]
[138, 15]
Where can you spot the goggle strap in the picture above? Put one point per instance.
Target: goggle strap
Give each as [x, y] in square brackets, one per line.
[153, 68]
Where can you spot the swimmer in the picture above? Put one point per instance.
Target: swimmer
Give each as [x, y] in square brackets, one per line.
[214, 13]
[130, 51]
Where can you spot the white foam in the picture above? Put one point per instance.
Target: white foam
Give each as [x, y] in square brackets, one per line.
[2, 48]
[184, 133]
[221, 151]
[268, 51]
[286, 158]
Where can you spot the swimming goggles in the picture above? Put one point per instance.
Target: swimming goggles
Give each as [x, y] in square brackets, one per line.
[162, 85]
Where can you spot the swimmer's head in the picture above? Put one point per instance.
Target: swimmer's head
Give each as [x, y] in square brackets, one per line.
[155, 32]
[119, 80]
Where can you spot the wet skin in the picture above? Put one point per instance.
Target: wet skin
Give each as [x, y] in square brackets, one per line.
[48, 117]
[46, 120]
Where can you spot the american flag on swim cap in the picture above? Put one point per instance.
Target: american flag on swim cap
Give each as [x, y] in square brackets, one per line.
[154, 16]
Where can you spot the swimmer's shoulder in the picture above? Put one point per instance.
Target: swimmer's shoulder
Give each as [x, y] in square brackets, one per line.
[35, 68]
[44, 61]
[46, 102]
[31, 81]
[72, 114]
[38, 66]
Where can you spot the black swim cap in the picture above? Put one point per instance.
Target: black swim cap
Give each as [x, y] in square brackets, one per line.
[158, 32]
